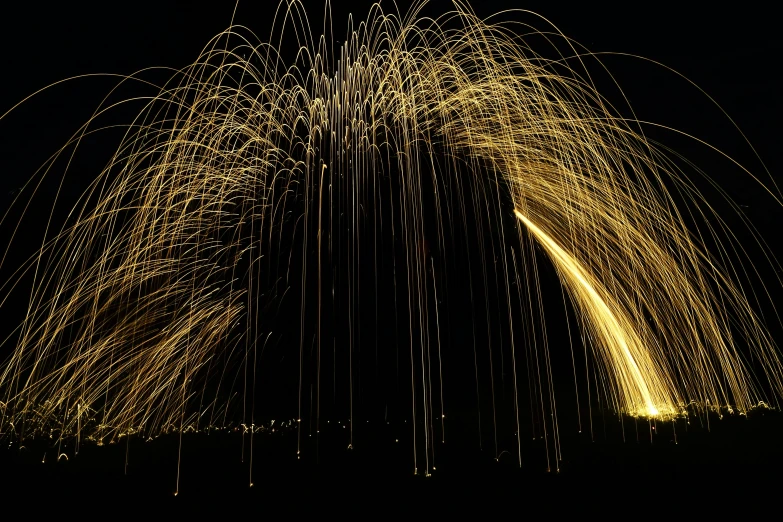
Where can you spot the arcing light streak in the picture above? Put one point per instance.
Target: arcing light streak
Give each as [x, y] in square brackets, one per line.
[629, 359]
[245, 177]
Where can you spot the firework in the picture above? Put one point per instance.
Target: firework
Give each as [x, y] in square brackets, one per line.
[249, 178]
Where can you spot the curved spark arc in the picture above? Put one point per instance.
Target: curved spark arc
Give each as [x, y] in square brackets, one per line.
[148, 306]
[625, 348]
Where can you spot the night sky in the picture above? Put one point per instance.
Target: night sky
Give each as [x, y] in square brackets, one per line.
[734, 55]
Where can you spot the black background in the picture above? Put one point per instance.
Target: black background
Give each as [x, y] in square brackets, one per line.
[734, 55]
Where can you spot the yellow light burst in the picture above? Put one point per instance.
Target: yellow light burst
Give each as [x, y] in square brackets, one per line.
[136, 302]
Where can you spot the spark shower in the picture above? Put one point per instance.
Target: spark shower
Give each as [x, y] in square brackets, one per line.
[316, 182]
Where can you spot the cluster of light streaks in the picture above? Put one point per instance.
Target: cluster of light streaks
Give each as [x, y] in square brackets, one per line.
[146, 307]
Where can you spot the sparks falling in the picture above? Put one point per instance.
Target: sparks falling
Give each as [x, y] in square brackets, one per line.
[148, 308]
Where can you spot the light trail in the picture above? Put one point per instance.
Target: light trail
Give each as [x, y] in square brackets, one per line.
[252, 179]
[623, 346]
